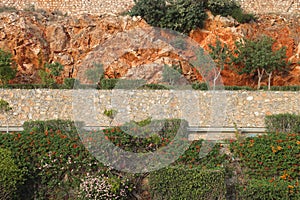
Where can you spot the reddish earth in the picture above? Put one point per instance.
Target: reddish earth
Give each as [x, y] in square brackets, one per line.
[77, 42]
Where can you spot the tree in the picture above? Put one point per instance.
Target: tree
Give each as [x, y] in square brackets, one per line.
[219, 53]
[7, 72]
[5, 109]
[258, 56]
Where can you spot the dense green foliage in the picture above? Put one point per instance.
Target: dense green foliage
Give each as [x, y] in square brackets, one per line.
[54, 159]
[7, 71]
[229, 8]
[257, 189]
[258, 56]
[109, 84]
[181, 182]
[49, 72]
[283, 123]
[4, 106]
[10, 175]
[178, 15]
[271, 161]
[186, 15]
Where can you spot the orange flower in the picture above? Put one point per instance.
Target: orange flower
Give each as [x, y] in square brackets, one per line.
[279, 148]
[274, 150]
[290, 186]
[298, 142]
[284, 176]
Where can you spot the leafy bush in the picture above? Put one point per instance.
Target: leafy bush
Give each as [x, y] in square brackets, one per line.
[54, 160]
[7, 71]
[229, 8]
[154, 87]
[184, 15]
[257, 189]
[180, 182]
[222, 7]
[144, 139]
[200, 86]
[283, 88]
[180, 15]
[271, 155]
[10, 175]
[69, 83]
[238, 88]
[51, 125]
[50, 72]
[285, 123]
[242, 17]
[109, 84]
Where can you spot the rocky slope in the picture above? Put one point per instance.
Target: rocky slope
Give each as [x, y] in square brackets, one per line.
[128, 46]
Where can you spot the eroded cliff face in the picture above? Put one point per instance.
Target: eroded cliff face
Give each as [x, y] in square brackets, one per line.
[77, 42]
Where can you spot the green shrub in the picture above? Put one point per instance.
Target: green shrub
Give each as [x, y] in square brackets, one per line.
[180, 182]
[54, 125]
[144, 139]
[286, 123]
[222, 7]
[257, 189]
[270, 155]
[7, 71]
[242, 17]
[229, 8]
[153, 87]
[180, 15]
[55, 160]
[200, 86]
[184, 15]
[109, 84]
[151, 11]
[69, 83]
[283, 88]
[238, 88]
[10, 175]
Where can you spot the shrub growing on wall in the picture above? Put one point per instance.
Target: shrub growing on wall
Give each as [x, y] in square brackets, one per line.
[178, 15]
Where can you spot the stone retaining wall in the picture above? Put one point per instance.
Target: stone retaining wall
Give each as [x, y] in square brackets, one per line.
[118, 6]
[201, 108]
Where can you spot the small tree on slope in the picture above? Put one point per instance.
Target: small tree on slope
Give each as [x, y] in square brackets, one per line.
[258, 56]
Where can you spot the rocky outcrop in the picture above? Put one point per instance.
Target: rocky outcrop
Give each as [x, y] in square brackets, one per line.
[283, 30]
[125, 47]
[35, 38]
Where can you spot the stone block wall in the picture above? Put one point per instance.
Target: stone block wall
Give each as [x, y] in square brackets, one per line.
[118, 6]
[200, 108]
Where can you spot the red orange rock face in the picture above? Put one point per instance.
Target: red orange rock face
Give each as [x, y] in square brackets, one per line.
[35, 38]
